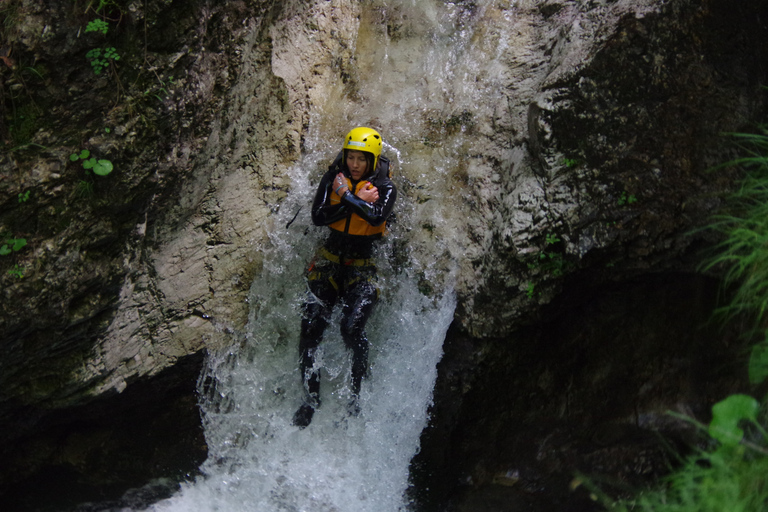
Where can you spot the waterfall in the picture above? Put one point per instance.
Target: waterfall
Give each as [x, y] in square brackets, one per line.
[257, 459]
[423, 85]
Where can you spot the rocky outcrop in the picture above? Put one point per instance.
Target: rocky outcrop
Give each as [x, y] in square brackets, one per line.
[120, 280]
[595, 392]
[553, 144]
[621, 130]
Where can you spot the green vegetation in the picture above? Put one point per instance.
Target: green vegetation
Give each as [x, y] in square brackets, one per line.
[549, 261]
[101, 167]
[97, 26]
[17, 271]
[100, 58]
[24, 196]
[731, 474]
[571, 162]
[103, 5]
[84, 189]
[157, 91]
[11, 245]
[744, 249]
[625, 199]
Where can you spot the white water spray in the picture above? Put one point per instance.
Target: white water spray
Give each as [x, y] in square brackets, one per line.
[257, 460]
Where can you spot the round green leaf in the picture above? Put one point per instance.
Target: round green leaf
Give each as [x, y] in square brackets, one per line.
[5, 250]
[726, 416]
[85, 154]
[103, 167]
[73, 157]
[18, 243]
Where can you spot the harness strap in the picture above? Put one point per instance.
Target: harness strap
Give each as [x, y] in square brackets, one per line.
[368, 262]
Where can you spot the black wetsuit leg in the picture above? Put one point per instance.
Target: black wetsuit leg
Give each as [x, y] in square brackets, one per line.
[360, 297]
[321, 298]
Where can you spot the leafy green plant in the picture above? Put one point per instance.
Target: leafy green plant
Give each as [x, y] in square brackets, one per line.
[625, 199]
[549, 261]
[728, 414]
[758, 362]
[571, 162]
[100, 58]
[101, 167]
[711, 482]
[97, 25]
[729, 477]
[552, 263]
[530, 290]
[24, 196]
[10, 245]
[17, 271]
[732, 475]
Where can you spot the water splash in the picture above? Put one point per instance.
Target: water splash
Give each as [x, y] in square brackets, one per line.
[424, 83]
[257, 459]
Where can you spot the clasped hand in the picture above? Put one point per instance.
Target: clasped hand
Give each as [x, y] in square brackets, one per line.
[368, 193]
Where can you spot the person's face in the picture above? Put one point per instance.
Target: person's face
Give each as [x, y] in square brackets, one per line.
[357, 164]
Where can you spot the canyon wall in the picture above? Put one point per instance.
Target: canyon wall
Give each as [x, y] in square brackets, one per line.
[575, 136]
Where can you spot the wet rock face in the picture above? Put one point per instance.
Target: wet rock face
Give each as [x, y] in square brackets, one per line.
[587, 390]
[622, 146]
[96, 451]
[119, 275]
[620, 134]
[584, 164]
[113, 286]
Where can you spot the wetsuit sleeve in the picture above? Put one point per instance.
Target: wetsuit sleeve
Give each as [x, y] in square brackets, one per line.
[374, 213]
[323, 212]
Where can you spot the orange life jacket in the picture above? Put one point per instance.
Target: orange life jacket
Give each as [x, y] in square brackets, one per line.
[353, 224]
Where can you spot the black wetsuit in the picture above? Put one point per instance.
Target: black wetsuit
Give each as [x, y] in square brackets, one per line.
[342, 270]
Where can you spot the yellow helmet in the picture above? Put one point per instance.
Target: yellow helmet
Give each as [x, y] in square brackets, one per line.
[364, 139]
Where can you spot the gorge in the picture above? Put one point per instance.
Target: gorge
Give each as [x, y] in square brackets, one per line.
[553, 162]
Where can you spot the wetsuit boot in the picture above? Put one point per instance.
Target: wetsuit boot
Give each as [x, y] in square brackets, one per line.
[303, 416]
[312, 331]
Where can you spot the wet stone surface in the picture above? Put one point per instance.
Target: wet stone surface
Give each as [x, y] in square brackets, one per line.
[587, 389]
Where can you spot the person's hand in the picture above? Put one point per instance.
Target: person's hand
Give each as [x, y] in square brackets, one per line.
[340, 185]
[368, 193]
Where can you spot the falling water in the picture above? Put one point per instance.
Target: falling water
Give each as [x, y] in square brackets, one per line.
[257, 460]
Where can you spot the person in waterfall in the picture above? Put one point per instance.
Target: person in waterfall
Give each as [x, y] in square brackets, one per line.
[354, 199]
